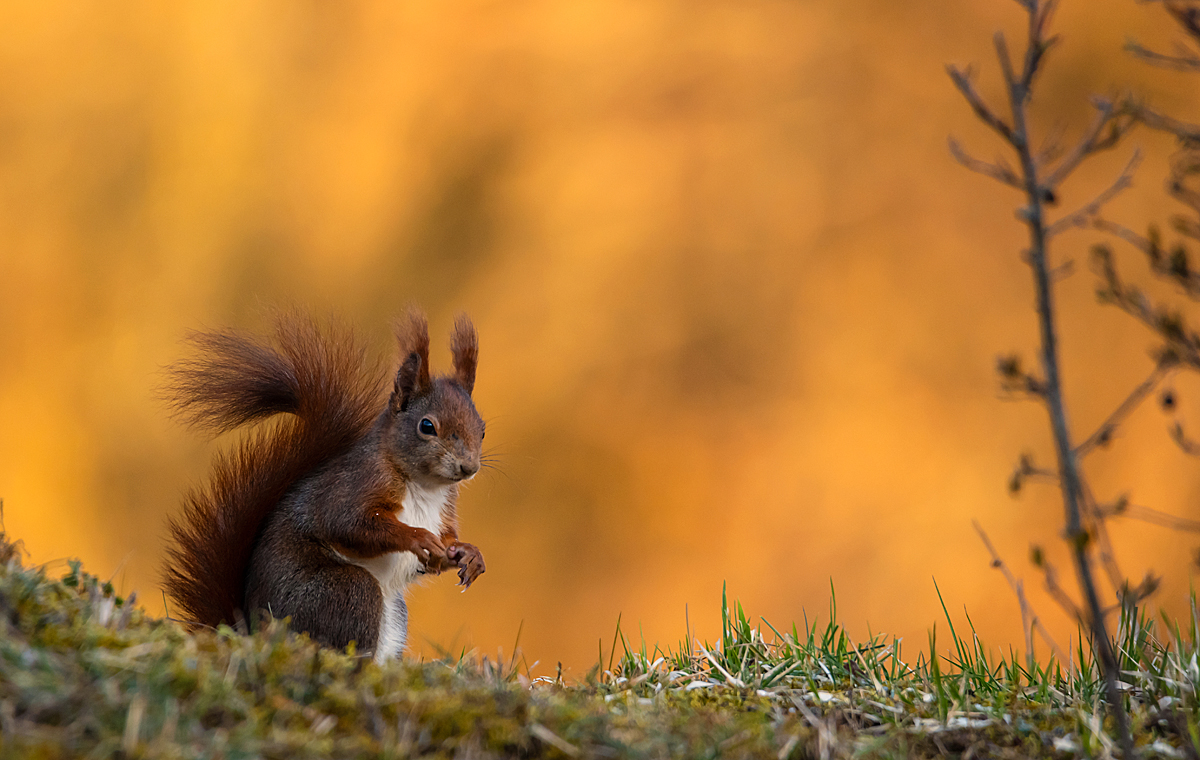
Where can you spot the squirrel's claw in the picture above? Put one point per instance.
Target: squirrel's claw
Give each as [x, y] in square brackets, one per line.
[470, 563]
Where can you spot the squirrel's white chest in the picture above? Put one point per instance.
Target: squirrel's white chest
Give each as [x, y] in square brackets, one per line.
[421, 508]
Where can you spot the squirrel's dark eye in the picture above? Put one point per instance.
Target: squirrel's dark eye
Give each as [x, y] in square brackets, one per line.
[426, 427]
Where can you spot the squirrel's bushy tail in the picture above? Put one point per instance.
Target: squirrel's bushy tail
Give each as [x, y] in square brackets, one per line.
[321, 379]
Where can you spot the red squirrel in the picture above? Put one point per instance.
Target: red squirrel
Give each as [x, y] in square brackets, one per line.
[326, 515]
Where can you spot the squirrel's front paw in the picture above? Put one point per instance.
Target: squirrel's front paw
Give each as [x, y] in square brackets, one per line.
[429, 550]
[469, 560]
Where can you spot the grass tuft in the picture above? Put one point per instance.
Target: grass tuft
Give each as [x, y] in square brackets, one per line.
[86, 673]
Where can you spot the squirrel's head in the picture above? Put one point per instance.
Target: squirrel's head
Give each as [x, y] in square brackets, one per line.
[435, 436]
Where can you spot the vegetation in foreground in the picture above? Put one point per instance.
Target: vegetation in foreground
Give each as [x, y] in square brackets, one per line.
[84, 673]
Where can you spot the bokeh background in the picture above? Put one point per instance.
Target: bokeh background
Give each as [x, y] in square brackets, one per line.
[739, 309]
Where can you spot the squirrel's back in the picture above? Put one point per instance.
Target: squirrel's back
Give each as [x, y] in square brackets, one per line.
[331, 396]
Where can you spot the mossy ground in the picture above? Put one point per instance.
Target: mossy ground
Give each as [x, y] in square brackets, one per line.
[84, 673]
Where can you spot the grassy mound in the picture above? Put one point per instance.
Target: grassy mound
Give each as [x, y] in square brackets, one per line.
[84, 673]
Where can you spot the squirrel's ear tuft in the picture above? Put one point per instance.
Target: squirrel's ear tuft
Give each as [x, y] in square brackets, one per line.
[464, 346]
[406, 383]
[413, 376]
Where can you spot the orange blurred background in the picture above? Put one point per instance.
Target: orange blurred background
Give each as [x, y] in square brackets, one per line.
[738, 307]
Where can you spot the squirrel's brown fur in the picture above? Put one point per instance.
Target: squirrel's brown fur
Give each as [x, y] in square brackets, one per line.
[331, 396]
[308, 518]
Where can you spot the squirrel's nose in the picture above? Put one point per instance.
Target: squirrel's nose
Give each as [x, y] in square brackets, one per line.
[467, 469]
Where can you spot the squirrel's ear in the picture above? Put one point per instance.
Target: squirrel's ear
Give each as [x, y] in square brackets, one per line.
[406, 383]
[413, 376]
[464, 347]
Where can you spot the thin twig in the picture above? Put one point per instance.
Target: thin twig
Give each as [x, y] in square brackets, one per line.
[1047, 476]
[1097, 527]
[1164, 123]
[1155, 517]
[1083, 216]
[1183, 441]
[1185, 61]
[1010, 78]
[1029, 618]
[1126, 234]
[1050, 574]
[996, 171]
[1182, 343]
[1086, 146]
[1131, 402]
[1106, 555]
[1184, 14]
[962, 80]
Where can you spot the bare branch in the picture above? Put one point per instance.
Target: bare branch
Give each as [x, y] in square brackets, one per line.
[1103, 434]
[1184, 442]
[1126, 234]
[1029, 618]
[1131, 597]
[1181, 341]
[962, 80]
[1184, 15]
[1160, 121]
[1006, 67]
[1092, 141]
[1038, 44]
[1016, 381]
[1027, 470]
[1182, 344]
[996, 171]
[1043, 475]
[1152, 516]
[1099, 530]
[1062, 597]
[1039, 194]
[1174, 265]
[1185, 61]
[1105, 553]
[1062, 271]
[1181, 184]
[1083, 216]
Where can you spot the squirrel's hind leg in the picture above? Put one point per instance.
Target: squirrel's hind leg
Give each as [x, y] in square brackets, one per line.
[335, 604]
